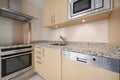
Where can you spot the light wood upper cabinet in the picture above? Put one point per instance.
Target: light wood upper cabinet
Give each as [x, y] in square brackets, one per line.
[61, 11]
[48, 12]
[55, 12]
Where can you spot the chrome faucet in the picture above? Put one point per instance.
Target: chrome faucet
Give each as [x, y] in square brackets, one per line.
[63, 39]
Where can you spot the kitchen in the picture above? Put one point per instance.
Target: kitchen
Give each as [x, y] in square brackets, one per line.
[57, 44]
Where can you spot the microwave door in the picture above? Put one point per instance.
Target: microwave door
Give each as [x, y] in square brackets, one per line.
[71, 6]
[78, 7]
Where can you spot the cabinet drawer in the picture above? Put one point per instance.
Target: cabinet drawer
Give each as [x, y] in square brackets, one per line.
[39, 54]
[38, 61]
[38, 50]
[38, 58]
[38, 47]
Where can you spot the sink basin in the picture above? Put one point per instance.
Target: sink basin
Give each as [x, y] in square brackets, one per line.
[59, 44]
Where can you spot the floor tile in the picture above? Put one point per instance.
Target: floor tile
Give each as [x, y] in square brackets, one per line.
[35, 77]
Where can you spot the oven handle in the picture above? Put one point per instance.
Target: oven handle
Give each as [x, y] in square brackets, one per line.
[16, 55]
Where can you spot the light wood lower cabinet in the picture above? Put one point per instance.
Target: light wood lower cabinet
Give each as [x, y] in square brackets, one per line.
[101, 74]
[39, 60]
[49, 66]
[53, 64]
[72, 70]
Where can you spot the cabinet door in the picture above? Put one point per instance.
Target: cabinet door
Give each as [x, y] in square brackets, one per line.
[53, 64]
[48, 13]
[101, 74]
[55, 12]
[61, 11]
[72, 70]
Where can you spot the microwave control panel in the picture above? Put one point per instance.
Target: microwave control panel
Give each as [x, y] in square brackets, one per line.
[99, 4]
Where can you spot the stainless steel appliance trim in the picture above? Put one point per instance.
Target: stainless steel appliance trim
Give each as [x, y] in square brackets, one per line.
[16, 55]
[106, 6]
[92, 8]
[105, 63]
[16, 73]
[70, 9]
[100, 62]
[74, 56]
[22, 17]
[14, 51]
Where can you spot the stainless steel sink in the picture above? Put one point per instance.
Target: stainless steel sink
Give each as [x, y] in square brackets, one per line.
[59, 44]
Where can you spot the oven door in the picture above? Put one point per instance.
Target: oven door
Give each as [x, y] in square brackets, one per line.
[80, 7]
[15, 64]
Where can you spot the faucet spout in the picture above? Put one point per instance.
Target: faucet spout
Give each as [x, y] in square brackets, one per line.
[63, 39]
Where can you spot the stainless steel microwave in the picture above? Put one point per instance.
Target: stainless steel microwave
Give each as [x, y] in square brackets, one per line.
[78, 8]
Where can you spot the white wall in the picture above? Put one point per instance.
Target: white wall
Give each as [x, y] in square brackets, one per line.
[90, 32]
[33, 8]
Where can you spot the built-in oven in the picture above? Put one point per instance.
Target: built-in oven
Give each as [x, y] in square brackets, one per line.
[15, 61]
[77, 8]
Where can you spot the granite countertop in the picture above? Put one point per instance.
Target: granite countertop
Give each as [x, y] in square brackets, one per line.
[89, 48]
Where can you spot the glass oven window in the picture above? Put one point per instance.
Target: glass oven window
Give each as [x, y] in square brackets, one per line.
[13, 64]
[81, 5]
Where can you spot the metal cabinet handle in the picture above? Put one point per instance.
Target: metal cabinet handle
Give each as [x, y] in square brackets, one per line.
[81, 60]
[54, 18]
[39, 62]
[38, 47]
[39, 52]
[38, 57]
[43, 54]
[51, 19]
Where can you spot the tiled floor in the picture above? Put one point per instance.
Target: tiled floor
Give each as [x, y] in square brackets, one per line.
[35, 77]
[29, 75]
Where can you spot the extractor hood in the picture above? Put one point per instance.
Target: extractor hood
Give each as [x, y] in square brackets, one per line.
[13, 14]
[12, 9]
